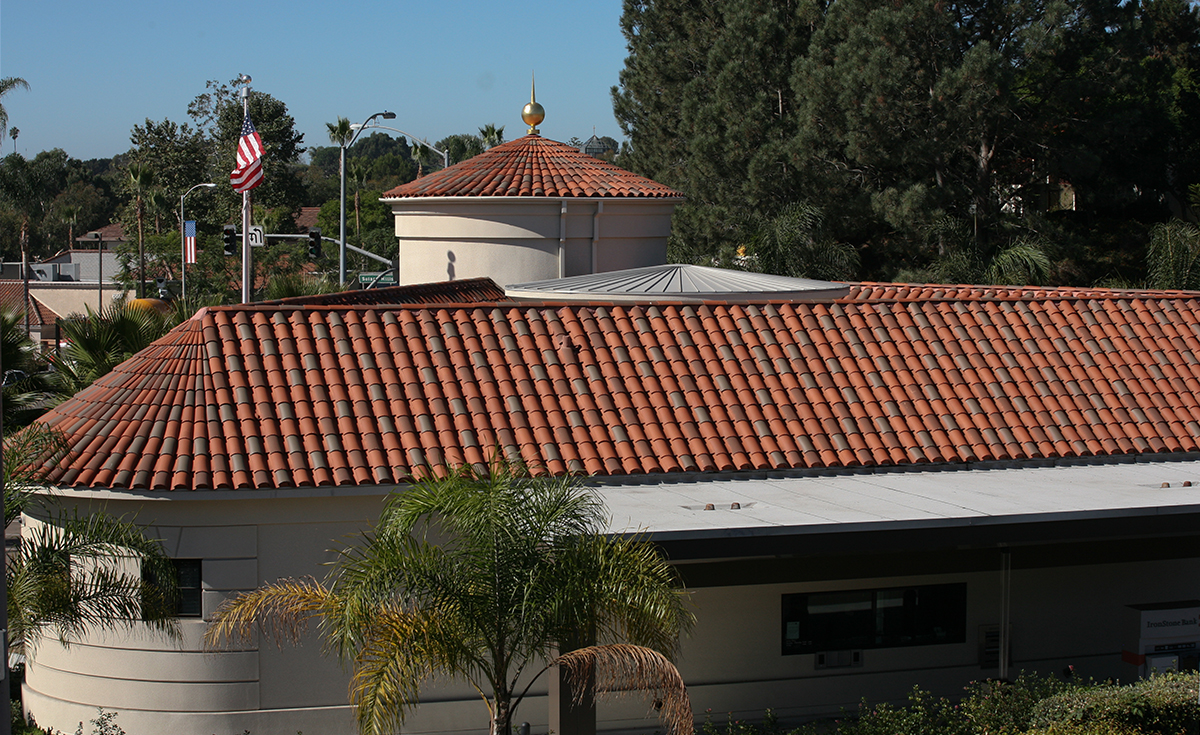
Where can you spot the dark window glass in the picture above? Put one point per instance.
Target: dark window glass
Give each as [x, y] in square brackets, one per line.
[187, 578]
[880, 618]
[187, 573]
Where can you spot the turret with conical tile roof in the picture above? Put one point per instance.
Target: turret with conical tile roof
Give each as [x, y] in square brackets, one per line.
[529, 210]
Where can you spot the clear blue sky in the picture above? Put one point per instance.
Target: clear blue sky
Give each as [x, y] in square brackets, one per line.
[96, 69]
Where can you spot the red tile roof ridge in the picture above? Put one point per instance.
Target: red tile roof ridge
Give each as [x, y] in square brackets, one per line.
[878, 291]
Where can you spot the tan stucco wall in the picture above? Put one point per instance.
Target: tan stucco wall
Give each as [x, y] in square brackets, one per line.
[66, 298]
[518, 240]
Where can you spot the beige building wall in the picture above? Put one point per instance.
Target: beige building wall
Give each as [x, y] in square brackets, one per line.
[517, 240]
[732, 660]
[68, 298]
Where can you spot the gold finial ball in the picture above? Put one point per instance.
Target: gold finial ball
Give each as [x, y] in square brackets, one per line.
[533, 114]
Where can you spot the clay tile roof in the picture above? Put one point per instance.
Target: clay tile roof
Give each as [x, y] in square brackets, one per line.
[533, 166]
[287, 395]
[12, 296]
[306, 218]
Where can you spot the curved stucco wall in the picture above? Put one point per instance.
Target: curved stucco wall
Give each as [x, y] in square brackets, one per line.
[163, 685]
[517, 240]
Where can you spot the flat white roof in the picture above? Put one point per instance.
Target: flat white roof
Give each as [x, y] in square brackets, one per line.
[900, 500]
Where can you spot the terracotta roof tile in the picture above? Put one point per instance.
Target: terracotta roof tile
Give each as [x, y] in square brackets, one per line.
[532, 166]
[361, 393]
[12, 297]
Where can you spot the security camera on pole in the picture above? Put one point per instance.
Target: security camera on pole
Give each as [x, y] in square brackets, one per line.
[245, 177]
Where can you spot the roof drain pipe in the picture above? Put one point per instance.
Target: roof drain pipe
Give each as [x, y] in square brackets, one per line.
[596, 231]
[562, 239]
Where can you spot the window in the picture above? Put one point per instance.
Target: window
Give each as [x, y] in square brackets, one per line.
[187, 578]
[879, 618]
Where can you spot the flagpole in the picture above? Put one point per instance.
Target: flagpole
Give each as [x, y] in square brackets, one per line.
[246, 276]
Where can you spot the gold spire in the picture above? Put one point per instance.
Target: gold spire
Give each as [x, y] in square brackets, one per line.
[533, 112]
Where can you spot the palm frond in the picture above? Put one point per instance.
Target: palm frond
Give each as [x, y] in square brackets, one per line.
[280, 610]
[404, 649]
[76, 573]
[1023, 263]
[620, 668]
[1174, 256]
[28, 454]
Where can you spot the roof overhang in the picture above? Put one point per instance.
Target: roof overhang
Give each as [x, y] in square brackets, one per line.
[957, 507]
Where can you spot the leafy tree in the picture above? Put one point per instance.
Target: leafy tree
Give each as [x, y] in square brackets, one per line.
[217, 113]
[519, 567]
[78, 208]
[460, 147]
[176, 153]
[890, 118]
[706, 102]
[283, 145]
[27, 189]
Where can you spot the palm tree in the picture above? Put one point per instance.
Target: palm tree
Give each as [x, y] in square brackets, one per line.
[794, 243]
[420, 154]
[289, 285]
[141, 178]
[26, 387]
[13, 132]
[73, 573]
[98, 342]
[491, 135]
[1173, 256]
[8, 84]
[519, 570]
[340, 132]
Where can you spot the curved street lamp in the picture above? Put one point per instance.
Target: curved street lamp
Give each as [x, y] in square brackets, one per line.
[342, 219]
[183, 240]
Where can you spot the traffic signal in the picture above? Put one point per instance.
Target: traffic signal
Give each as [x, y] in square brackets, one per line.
[230, 240]
[314, 243]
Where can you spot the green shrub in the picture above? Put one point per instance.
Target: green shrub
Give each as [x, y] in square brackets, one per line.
[1164, 704]
[1086, 728]
[1001, 707]
[19, 724]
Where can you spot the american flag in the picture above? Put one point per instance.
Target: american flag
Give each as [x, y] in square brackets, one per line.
[248, 173]
[189, 241]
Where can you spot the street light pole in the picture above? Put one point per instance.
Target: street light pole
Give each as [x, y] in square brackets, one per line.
[100, 270]
[183, 240]
[344, 144]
